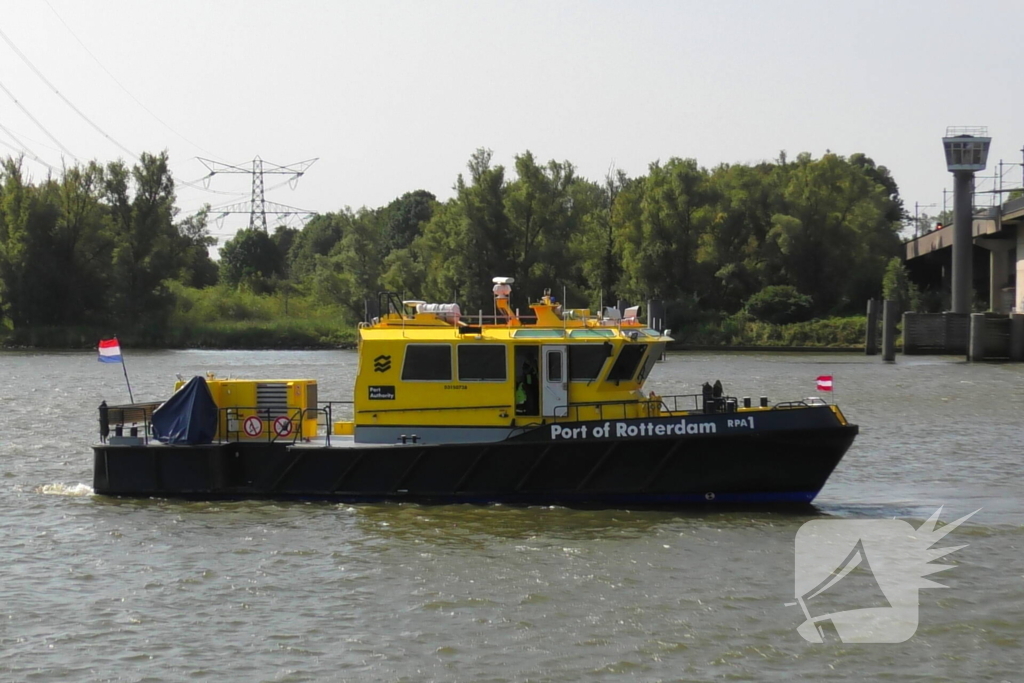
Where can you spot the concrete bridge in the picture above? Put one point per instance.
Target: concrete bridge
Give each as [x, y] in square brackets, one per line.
[997, 257]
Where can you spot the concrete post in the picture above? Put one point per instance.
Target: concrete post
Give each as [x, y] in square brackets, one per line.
[998, 262]
[889, 330]
[976, 338]
[1017, 337]
[871, 335]
[963, 241]
[1018, 296]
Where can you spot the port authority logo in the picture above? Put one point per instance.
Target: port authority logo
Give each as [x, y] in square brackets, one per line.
[382, 363]
[881, 564]
[382, 393]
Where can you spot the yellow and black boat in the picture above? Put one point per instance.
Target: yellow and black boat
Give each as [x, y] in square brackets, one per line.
[547, 408]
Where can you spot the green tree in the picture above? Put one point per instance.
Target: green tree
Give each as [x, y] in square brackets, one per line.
[197, 268]
[593, 245]
[146, 244]
[251, 258]
[350, 275]
[834, 235]
[779, 305]
[316, 238]
[404, 218]
[896, 286]
[660, 257]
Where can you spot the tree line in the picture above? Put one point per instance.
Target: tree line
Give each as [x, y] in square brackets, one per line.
[104, 243]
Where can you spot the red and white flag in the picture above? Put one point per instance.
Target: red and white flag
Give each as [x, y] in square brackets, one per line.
[825, 383]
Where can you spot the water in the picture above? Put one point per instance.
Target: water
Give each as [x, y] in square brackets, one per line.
[97, 589]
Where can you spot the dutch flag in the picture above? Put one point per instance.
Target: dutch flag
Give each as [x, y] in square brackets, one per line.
[110, 351]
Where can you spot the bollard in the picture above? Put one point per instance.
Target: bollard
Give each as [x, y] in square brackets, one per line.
[1017, 337]
[976, 338]
[871, 335]
[889, 330]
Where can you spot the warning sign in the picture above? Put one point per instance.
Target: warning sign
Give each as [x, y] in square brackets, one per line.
[282, 426]
[253, 426]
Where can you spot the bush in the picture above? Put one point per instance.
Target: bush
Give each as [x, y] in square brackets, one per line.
[779, 305]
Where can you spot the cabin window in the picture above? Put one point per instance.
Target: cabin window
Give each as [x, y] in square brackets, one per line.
[656, 351]
[627, 362]
[482, 363]
[430, 362]
[554, 367]
[587, 360]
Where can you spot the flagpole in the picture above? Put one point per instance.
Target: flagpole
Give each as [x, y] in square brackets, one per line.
[125, 368]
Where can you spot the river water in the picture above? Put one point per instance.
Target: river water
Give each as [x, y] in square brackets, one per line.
[100, 589]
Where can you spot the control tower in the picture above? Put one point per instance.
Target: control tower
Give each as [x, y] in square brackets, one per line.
[966, 154]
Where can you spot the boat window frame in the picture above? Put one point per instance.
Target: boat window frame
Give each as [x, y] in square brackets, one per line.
[484, 345]
[542, 333]
[606, 347]
[405, 361]
[589, 333]
[643, 347]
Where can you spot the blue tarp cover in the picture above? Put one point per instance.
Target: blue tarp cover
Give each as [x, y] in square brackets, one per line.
[187, 417]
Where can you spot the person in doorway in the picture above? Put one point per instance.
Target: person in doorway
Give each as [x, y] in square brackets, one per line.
[521, 397]
[532, 388]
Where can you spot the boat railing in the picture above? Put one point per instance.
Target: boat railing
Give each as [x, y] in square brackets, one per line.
[656, 406]
[131, 416]
[427, 409]
[253, 423]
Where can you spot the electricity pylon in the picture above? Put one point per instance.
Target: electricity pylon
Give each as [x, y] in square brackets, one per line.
[257, 206]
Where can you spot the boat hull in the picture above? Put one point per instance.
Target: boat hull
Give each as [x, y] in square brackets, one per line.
[785, 460]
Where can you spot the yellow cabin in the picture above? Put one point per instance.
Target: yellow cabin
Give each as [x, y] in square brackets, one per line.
[429, 373]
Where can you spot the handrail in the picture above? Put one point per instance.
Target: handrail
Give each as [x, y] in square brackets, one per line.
[266, 415]
[131, 414]
[423, 410]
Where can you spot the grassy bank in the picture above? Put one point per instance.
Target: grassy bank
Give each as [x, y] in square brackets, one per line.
[738, 330]
[224, 318]
[213, 318]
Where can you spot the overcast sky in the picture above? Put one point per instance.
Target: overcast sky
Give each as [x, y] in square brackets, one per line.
[395, 96]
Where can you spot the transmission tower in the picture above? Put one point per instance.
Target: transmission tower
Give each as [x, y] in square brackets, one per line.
[258, 207]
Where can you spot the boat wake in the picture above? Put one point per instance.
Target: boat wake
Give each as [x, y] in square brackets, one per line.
[59, 489]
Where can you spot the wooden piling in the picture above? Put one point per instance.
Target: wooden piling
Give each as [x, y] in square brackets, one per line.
[1017, 337]
[871, 335]
[889, 330]
[976, 338]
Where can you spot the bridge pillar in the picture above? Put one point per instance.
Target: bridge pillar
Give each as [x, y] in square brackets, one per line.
[999, 271]
[962, 241]
[1018, 297]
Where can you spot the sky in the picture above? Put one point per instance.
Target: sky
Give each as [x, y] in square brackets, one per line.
[393, 96]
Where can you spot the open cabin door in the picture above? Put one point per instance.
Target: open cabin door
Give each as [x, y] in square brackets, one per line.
[554, 381]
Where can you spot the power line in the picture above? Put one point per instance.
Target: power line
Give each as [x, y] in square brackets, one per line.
[36, 121]
[120, 85]
[45, 80]
[30, 155]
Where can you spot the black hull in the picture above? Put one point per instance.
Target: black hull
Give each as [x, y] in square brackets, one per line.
[773, 466]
